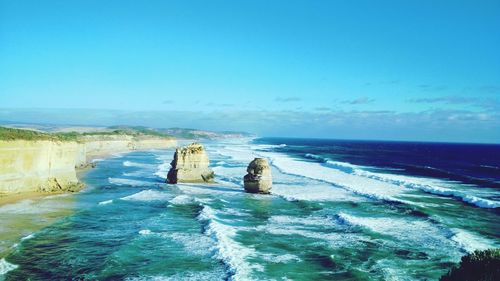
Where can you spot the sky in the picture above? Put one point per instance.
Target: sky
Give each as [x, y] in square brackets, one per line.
[391, 70]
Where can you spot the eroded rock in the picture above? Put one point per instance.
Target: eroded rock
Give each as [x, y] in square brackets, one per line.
[258, 179]
[190, 165]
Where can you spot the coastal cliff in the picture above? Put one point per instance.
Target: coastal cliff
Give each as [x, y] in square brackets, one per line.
[49, 165]
[37, 166]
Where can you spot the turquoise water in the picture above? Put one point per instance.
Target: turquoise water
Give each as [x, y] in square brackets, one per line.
[129, 225]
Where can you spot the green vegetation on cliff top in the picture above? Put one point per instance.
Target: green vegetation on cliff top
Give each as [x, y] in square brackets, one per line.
[23, 134]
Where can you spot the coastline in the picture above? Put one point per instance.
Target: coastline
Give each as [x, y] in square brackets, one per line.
[11, 198]
[81, 170]
[156, 221]
[21, 224]
[51, 166]
[8, 240]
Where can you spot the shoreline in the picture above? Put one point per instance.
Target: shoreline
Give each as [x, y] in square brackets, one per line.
[81, 171]
[34, 169]
[12, 198]
[21, 225]
[9, 241]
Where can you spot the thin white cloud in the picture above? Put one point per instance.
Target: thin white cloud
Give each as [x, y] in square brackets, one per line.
[288, 99]
[363, 100]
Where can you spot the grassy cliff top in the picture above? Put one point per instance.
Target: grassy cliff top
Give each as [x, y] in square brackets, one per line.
[23, 134]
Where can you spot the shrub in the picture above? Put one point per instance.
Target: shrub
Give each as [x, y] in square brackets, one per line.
[477, 266]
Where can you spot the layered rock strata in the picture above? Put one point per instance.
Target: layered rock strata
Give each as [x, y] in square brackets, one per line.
[190, 165]
[258, 179]
[50, 166]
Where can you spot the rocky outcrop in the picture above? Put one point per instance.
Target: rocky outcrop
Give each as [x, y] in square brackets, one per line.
[190, 165]
[50, 166]
[258, 179]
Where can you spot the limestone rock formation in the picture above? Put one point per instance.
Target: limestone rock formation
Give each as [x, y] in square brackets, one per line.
[190, 164]
[48, 164]
[258, 179]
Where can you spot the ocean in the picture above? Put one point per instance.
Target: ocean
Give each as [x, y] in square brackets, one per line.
[339, 210]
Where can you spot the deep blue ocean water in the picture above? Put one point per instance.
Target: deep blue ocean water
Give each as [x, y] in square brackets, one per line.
[339, 210]
[467, 163]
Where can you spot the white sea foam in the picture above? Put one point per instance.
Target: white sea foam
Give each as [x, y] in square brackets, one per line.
[431, 186]
[321, 229]
[6, 266]
[182, 200]
[229, 172]
[123, 181]
[198, 189]
[235, 212]
[313, 191]
[286, 258]
[232, 253]
[147, 195]
[27, 237]
[423, 184]
[314, 156]
[229, 175]
[140, 173]
[128, 164]
[304, 221]
[162, 170]
[390, 269]
[238, 153]
[360, 185]
[145, 232]
[194, 243]
[333, 240]
[427, 185]
[471, 242]
[209, 275]
[267, 146]
[342, 166]
[135, 164]
[106, 202]
[431, 238]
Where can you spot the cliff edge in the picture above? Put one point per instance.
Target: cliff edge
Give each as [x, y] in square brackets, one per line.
[34, 161]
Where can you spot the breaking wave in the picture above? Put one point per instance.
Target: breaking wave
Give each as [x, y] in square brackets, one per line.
[406, 181]
[6, 266]
[122, 181]
[362, 186]
[230, 252]
[147, 195]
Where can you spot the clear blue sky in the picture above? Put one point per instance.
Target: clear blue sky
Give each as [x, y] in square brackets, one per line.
[412, 70]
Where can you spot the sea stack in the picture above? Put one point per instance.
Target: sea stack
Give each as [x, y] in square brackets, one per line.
[190, 165]
[258, 179]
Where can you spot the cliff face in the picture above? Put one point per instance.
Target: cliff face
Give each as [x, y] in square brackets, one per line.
[50, 165]
[190, 164]
[258, 179]
[40, 165]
